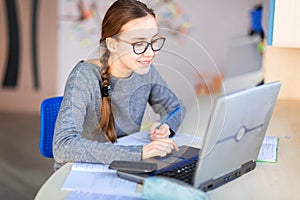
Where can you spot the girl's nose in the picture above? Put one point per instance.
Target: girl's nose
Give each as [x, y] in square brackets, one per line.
[149, 52]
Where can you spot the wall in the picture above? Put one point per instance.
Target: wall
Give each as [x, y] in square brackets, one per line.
[204, 48]
[24, 96]
[202, 51]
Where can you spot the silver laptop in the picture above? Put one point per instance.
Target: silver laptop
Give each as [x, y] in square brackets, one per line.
[232, 141]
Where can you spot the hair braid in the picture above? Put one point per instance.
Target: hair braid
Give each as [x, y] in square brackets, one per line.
[107, 122]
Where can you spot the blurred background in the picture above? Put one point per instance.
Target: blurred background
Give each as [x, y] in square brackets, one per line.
[213, 47]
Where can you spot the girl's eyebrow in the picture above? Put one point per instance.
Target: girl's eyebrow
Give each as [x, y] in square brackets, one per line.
[143, 38]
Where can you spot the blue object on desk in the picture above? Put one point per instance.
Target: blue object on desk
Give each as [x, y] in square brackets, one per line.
[48, 114]
[159, 188]
[169, 116]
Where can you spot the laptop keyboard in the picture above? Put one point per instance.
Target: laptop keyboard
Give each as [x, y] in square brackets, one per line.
[183, 172]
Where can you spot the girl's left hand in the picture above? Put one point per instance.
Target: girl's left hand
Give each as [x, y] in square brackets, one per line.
[159, 133]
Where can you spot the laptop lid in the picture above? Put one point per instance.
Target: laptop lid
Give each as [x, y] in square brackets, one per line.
[234, 135]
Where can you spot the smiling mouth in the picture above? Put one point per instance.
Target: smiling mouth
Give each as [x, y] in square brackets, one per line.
[145, 62]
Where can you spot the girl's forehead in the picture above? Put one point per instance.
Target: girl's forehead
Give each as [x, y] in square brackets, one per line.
[146, 33]
[145, 27]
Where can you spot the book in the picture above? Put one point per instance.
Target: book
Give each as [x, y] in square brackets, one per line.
[269, 150]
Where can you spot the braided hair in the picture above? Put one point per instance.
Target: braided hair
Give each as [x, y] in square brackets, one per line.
[107, 122]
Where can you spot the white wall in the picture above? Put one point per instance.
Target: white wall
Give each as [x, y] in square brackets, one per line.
[203, 50]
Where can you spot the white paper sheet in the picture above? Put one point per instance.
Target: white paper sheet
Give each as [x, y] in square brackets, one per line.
[268, 150]
[142, 138]
[76, 195]
[98, 179]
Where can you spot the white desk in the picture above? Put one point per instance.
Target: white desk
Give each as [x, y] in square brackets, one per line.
[268, 181]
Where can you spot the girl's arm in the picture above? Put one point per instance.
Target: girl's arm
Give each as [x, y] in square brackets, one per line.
[79, 109]
[163, 101]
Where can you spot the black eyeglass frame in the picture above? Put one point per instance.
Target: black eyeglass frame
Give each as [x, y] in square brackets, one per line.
[146, 47]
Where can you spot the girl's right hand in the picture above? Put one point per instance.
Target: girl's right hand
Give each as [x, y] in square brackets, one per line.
[159, 133]
[159, 147]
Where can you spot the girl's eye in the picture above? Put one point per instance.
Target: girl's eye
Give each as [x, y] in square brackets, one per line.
[139, 44]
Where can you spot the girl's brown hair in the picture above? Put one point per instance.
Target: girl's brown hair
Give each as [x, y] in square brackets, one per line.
[119, 13]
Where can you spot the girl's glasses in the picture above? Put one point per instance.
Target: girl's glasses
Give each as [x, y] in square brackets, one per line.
[142, 46]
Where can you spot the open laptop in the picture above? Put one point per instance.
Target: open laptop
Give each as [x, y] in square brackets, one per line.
[231, 145]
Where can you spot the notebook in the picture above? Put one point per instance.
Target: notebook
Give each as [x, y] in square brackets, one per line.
[231, 145]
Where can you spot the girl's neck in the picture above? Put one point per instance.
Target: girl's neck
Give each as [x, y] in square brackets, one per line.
[117, 69]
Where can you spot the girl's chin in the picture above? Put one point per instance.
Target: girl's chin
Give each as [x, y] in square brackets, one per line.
[142, 69]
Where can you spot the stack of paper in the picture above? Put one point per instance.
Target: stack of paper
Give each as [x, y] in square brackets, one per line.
[98, 179]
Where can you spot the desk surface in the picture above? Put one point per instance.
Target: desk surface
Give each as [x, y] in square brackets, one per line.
[267, 181]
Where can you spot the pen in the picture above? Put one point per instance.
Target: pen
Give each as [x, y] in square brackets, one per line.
[169, 116]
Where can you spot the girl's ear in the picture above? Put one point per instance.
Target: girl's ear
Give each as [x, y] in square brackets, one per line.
[112, 44]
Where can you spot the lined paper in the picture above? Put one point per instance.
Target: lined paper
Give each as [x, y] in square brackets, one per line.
[268, 150]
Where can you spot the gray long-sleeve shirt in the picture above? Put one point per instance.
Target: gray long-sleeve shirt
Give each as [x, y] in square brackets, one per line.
[77, 136]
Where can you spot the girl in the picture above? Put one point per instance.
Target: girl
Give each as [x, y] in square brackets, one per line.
[105, 99]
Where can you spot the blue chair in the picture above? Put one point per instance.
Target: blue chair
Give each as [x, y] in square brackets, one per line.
[48, 114]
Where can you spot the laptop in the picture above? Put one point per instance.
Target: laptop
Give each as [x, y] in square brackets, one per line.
[231, 143]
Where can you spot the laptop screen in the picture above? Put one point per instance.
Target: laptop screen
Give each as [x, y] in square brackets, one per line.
[235, 133]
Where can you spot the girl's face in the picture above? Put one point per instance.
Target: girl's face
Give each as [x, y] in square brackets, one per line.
[138, 32]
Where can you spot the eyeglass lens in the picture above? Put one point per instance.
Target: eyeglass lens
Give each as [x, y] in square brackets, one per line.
[141, 47]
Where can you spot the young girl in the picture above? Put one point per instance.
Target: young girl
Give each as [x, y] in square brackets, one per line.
[105, 99]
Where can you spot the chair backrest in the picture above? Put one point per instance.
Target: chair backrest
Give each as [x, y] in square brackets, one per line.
[48, 114]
